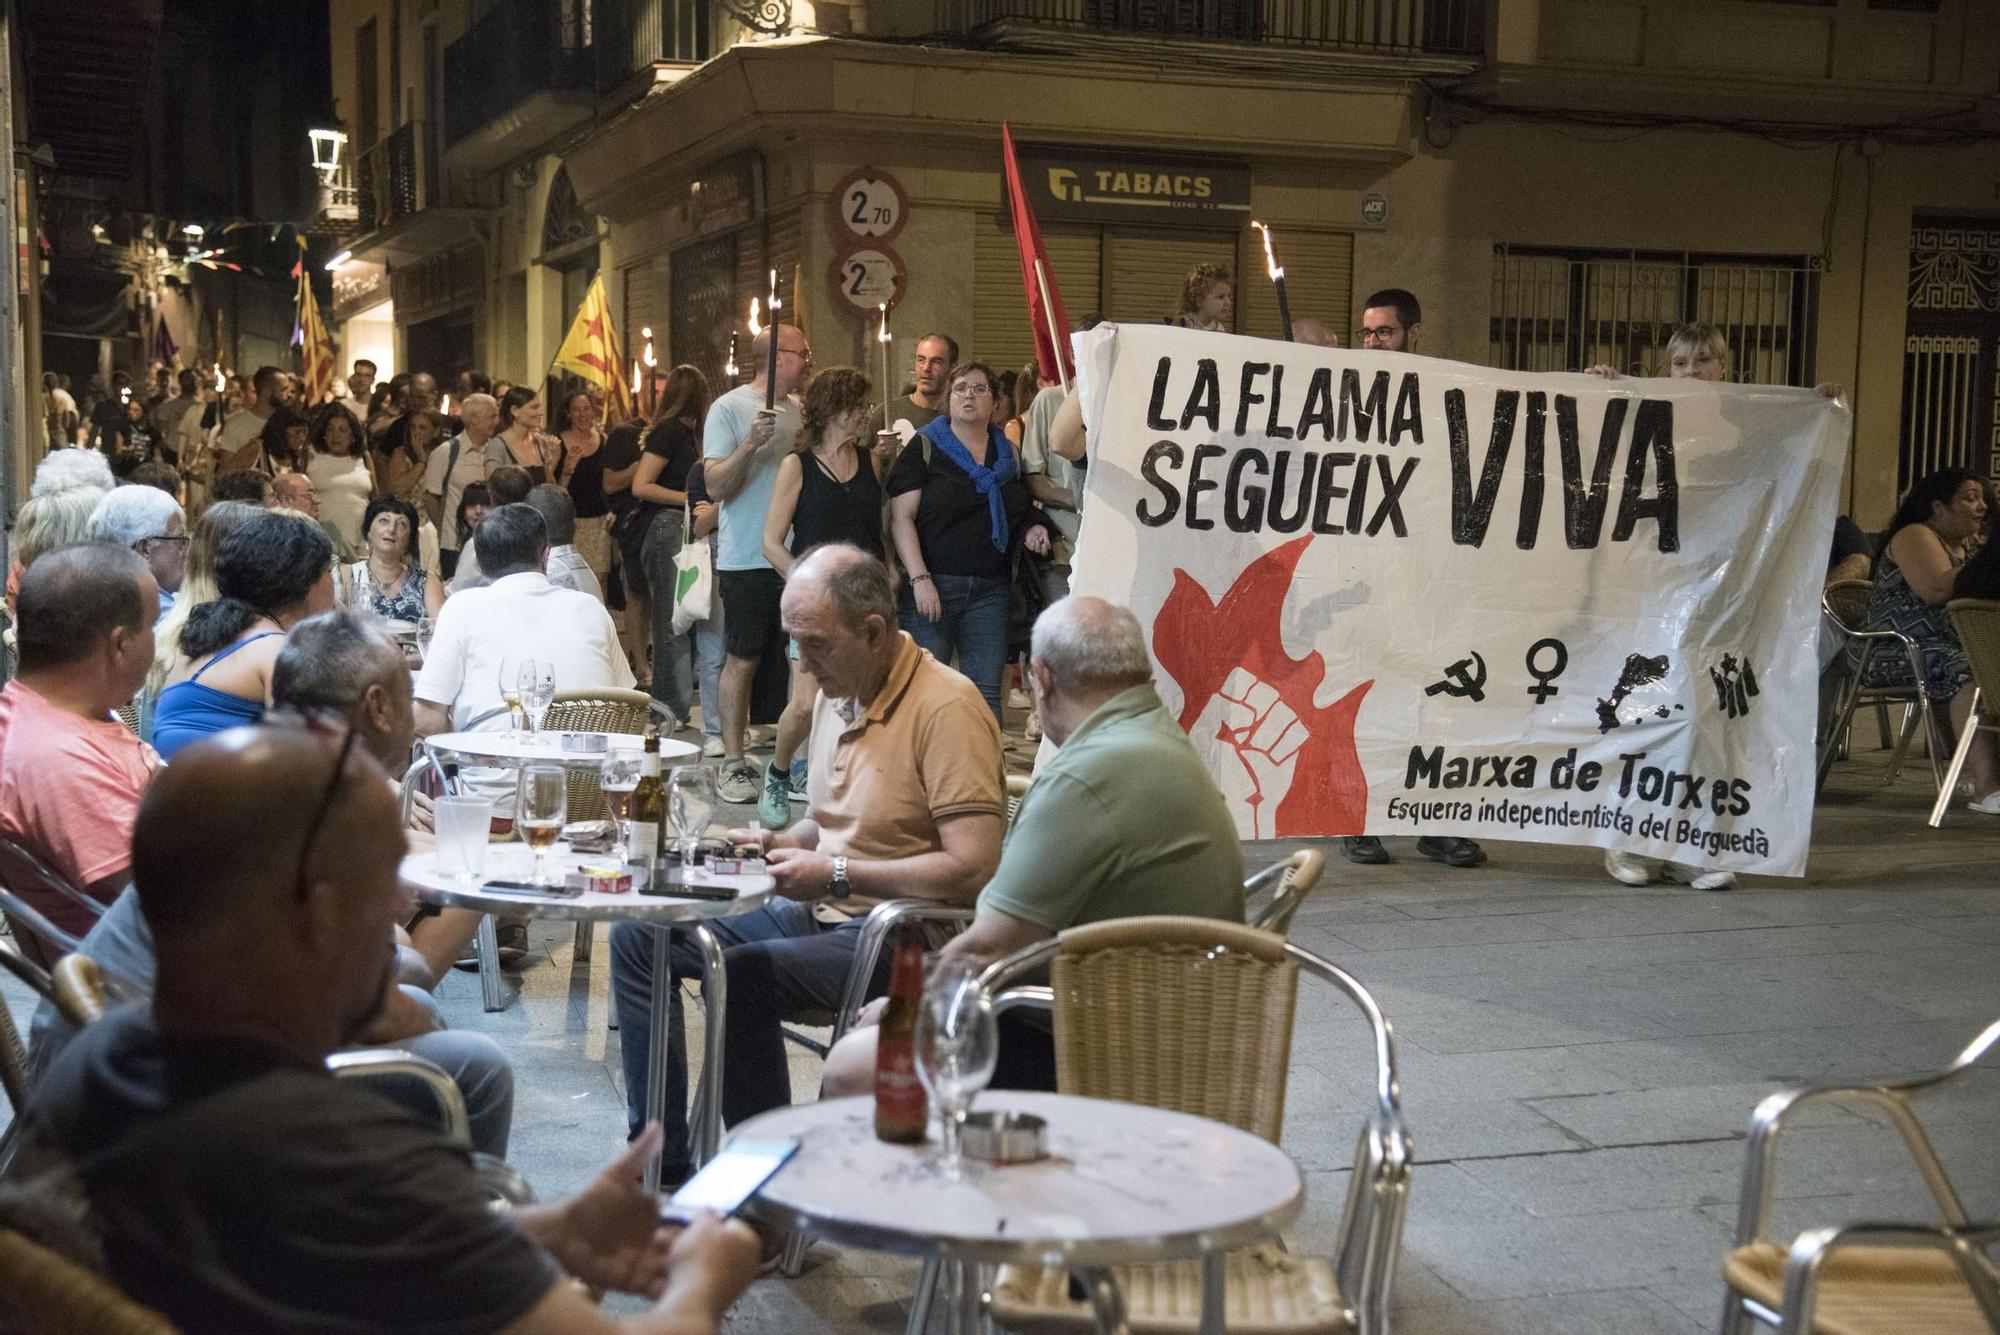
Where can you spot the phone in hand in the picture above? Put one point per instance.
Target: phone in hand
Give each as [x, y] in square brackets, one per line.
[728, 1181]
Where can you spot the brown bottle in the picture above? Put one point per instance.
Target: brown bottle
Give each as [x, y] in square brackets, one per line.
[901, 1111]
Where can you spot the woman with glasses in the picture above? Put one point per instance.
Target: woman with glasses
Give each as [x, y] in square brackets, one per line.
[960, 515]
[826, 492]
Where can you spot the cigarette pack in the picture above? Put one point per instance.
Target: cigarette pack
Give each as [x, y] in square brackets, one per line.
[600, 878]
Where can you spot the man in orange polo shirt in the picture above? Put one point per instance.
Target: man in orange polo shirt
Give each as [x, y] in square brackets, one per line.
[906, 799]
[71, 775]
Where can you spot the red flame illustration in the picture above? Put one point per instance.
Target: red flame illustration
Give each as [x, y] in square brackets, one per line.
[1199, 643]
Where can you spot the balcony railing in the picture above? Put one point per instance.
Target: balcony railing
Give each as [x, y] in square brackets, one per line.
[401, 175]
[520, 48]
[1406, 27]
[629, 36]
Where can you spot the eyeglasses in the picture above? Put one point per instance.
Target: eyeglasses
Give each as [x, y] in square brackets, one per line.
[972, 389]
[325, 724]
[1379, 334]
[180, 538]
[803, 354]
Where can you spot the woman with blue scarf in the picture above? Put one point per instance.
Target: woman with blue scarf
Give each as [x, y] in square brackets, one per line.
[958, 512]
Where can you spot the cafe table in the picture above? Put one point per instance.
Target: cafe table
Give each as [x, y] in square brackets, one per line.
[1120, 1184]
[515, 862]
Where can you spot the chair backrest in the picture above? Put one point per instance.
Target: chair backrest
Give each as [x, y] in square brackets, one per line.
[1846, 601]
[13, 1052]
[40, 939]
[40, 1290]
[1290, 881]
[128, 714]
[1191, 1014]
[1977, 622]
[606, 710]
[1017, 788]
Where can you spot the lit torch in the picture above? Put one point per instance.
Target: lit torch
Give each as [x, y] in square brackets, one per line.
[771, 379]
[883, 339]
[1277, 279]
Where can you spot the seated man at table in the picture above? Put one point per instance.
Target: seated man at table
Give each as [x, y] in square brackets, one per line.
[337, 664]
[1122, 822]
[71, 775]
[906, 799]
[518, 617]
[237, 1186]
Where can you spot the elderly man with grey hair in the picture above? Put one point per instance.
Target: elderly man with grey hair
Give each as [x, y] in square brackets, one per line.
[906, 799]
[1123, 822]
[152, 524]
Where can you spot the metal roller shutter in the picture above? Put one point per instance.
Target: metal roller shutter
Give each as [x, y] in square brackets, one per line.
[999, 331]
[1319, 282]
[645, 306]
[1145, 271]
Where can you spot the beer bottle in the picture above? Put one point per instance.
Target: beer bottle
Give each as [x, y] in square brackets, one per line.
[649, 804]
[901, 1111]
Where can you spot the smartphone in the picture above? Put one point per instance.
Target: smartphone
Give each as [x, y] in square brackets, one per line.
[671, 883]
[729, 1180]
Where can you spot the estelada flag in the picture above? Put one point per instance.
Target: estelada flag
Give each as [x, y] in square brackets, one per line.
[592, 352]
[315, 349]
[1050, 351]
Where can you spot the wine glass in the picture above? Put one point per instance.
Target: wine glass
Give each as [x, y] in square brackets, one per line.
[691, 802]
[957, 1045]
[544, 804]
[618, 776]
[510, 695]
[426, 630]
[538, 691]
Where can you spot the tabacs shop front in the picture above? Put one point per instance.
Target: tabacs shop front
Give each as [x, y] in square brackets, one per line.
[849, 227]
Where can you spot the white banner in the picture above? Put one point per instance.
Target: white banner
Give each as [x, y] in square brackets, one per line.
[1399, 595]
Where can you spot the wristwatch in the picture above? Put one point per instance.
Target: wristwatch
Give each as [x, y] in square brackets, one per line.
[839, 887]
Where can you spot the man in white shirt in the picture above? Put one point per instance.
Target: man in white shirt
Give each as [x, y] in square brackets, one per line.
[566, 569]
[519, 616]
[451, 468]
[261, 395]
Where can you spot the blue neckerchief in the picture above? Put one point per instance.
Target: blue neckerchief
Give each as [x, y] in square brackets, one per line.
[989, 479]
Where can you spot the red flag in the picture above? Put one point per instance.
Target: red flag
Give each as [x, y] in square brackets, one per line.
[1051, 350]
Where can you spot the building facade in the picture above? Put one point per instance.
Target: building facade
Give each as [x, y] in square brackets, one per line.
[1561, 181]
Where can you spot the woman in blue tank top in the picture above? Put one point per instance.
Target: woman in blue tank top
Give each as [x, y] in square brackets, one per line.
[272, 570]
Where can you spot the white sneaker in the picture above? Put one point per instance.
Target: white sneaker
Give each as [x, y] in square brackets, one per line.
[1631, 869]
[1988, 805]
[711, 748]
[1032, 729]
[1696, 878]
[1018, 699]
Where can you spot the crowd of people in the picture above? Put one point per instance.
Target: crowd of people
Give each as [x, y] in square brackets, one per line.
[204, 606]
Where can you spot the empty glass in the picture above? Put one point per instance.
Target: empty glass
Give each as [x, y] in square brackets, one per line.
[618, 776]
[691, 803]
[462, 825]
[538, 691]
[957, 1045]
[544, 805]
[426, 628]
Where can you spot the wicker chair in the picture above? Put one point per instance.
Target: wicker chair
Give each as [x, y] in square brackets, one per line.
[1977, 621]
[1863, 1279]
[605, 710]
[22, 872]
[1846, 603]
[1196, 1015]
[1290, 881]
[40, 1290]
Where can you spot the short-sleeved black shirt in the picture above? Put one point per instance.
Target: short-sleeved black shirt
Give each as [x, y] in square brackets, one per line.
[620, 451]
[674, 441]
[1848, 540]
[241, 1189]
[954, 528]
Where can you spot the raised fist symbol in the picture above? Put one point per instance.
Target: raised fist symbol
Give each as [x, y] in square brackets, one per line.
[1257, 742]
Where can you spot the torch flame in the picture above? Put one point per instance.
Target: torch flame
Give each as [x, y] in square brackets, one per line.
[773, 303]
[755, 327]
[635, 377]
[883, 337]
[1270, 259]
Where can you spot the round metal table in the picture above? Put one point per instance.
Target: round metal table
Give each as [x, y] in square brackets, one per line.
[1122, 1184]
[515, 862]
[502, 750]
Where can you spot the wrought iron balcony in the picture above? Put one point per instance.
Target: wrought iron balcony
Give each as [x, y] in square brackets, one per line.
[518, 49]
[1396, 27]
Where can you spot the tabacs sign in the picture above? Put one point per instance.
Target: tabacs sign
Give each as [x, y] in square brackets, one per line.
[1109, 186]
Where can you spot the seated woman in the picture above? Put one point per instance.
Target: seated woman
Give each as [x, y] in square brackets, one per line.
[1936, 528]
[271, 571]
[388, 579]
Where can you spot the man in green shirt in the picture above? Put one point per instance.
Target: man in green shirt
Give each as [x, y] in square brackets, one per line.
[1122, 823]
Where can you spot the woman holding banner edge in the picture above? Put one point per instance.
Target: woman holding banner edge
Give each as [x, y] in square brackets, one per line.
[958, 513]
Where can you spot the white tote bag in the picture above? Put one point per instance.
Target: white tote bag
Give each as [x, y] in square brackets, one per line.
[694, 578]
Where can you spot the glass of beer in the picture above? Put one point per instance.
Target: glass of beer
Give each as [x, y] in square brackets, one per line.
[544, 804]
[618, 776]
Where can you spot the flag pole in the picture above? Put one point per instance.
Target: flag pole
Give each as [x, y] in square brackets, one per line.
[1049, 318]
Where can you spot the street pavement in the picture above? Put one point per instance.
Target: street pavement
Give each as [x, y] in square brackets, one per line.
[1579, 1063]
